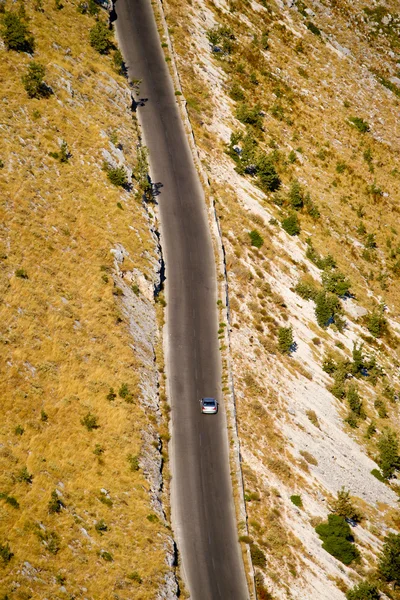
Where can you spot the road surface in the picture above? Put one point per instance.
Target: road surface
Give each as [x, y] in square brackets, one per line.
[203, 510]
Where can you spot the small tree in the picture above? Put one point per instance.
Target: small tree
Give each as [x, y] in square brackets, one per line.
[33, 81]
[15, 33]
[354, 401]
[55, 504]
[388, 446]
[90, 421]
[291, 224]
[268, 178]
[296, 196]
[323, 309]
[117, 175]
[358, 359]
[100, 38]
[363, 591]
[335, 282]
[376, 323]
[343, 506]
[285, 340]
[5, 552]
[389, 563]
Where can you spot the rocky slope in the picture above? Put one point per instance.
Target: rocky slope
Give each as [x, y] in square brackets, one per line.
[294, 108]
[82, 426]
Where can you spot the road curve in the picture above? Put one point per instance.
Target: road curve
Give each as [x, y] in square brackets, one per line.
[203, 510]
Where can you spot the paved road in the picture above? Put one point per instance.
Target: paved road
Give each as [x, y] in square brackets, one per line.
[203, 512]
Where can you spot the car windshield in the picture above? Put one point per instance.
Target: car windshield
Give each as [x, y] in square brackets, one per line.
[209, 402]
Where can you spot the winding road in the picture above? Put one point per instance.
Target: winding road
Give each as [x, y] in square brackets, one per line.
[202, 502]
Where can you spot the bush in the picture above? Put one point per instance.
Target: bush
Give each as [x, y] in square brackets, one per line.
[116, 175]
[90, 421]
[125, 393]
[313, 28]
[55, 504]
[33, 82]
[378, 475]
[134, 576]
[354, 401]
[236, 92]
[100, 38]
[249, 116]
[342, 506]
[133, 462]
[15, 34]
[256, 238]
[335, 282]
[10, 500]
[296, 196]
[257, 556]
[118, 62]
[111, 395]
[389, 560]
[5, 552]
[23, 476]
[376, 323]
[106, 556]
[285, 340]
[363, 591]
[21, 273]
[297, 501]
[291, 224]
[337, 539]
[325, 307]
[306, 290]
[360, 124]
[268, 178]
[101, 526]
[388, 447]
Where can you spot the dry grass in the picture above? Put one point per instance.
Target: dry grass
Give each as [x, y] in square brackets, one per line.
[64, 343]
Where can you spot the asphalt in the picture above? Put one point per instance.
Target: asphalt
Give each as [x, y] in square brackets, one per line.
[202, 503]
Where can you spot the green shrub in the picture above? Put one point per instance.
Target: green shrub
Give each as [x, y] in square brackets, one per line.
[116, 175]
[101, 526]
[388, 446]
[15, 33]
[19, 430]
[90, 421]
[21, 273]
[376, 323]
[236, 92]
[342, 506]
[313, 28]
[134, 576]
[291, 224]
[360, 124]
[381, 408]
[371, 430]
[297, 501]
[5, 552]
[354, 401]
[335, 282]
[24, 476]
[268, 178]
[246, 539]
[10, 500]
[33, 82]
[107, 556]
[43, 416]
[118, 62]
[325, 307]
[111, 395]
[105, 499]
[133, 462]
[363, 591]
[152, 518]
[249, 116]
[378, 475]
[125, 393]
[337, 539]
[306, 290]
[256, 238]
[389, 560]
[296, 196]
[285, 340]
[55, 504]
[257, 556]
[100, 38]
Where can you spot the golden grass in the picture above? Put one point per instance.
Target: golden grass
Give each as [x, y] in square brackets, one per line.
[63, 343]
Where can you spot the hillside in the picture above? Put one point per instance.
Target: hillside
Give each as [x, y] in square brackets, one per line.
[82, 425]
[294, 108]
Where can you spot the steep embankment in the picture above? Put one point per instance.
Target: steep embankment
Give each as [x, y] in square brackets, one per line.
[81, 427]
[295, 110]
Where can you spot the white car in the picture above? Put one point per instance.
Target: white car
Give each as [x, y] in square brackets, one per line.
[209, 406]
